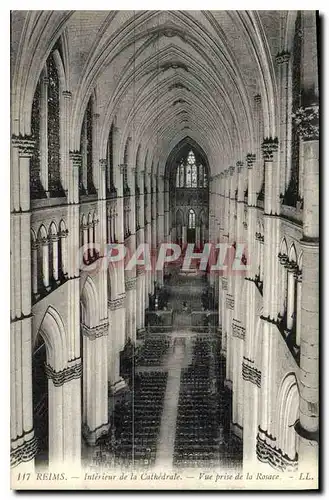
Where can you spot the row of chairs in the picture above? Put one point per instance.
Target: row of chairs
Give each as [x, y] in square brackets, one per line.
[137, 423]
[196, 441]
[153, 351]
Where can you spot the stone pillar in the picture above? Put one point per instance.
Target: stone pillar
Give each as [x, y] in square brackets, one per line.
[166, 210]
[115, 344]
[64, 414]
[269, 330]
[160, 218]
[184, 235]
[95, 394]
[45, 262]
[23, 442]
[54, 242]
[35, 245]
[308, 424]
[238, 324]
[65, 115]
[282, 60]
[44, 132]
[299, 306]
[291, 299]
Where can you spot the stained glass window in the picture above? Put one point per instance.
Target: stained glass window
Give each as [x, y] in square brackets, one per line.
[191, 158]
[189, 174]
[53, 126]
[177, 177]
[200, 175]
[191, 219]
[194, 176]
[205, 179]
[89, 125]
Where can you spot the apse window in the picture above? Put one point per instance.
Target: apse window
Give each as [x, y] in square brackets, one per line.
[191, 219]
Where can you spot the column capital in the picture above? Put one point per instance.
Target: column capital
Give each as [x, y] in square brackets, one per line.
[130, 283]
[96, 116]
[44, 241]
[226, 173]
[122, 167]
[103, 162]
[250, 159]
[257, 98]
[231, 170]
[259, 237]
[66, 375]
[283, 258]
[250, 373]
[118, 303]
[306, 119]
[95, 332]
[64, 233]
[53, 238]
[25, 452]
[269, 147]
[298, 275]
[282, 57]
[25, 145]
[76, 158]
[67, 94]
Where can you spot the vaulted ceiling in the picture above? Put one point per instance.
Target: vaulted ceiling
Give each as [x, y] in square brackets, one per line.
[163, 75]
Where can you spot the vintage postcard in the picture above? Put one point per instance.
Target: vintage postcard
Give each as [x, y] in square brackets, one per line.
[164, 250]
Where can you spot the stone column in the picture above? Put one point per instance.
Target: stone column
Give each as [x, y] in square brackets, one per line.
[308, 424]
[298, 277]
[160, 218]
[282, 60]
[269, 330]
[95, 415]
[65, 115]
[54, 242]
[44, 132]
[115, 344]
[64, 414]
[23, 445]
[166, 210]
[140, 272]
[238, 320]
[291, 298]
[35, 245]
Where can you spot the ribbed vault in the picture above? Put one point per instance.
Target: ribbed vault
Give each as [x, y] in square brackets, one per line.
[160, 76]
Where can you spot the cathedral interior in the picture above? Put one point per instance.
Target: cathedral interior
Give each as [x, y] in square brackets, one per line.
[180, 127]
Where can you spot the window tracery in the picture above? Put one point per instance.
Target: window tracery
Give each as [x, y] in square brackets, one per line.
[189, 174]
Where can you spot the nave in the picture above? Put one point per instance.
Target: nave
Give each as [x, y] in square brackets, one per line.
[166, 128]
[177, 413]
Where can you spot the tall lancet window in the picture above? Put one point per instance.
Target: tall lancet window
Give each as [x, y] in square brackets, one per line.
[53, 126]
[36, 188]
[191, 219]
[45, 172]
[191, 171]
[109, 178]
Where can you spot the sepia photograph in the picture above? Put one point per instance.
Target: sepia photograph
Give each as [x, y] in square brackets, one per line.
[164, 249]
